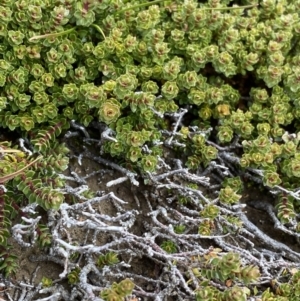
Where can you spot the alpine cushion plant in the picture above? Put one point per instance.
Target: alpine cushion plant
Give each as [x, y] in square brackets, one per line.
[213, 82]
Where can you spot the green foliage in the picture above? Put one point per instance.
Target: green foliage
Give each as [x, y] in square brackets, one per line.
[8, 263]
[109, 258]
[46, 282]
[201, 153]
[285, 208]
[235, 183]
[73, 276]
[179, 229]
[118, 291]
[49, 72]
[210, 211]
[30, 180]
[169, 246]
[228, 195]
[206, 227]
[5, 223]
[44, 236]
[229, 266]
[37, 184]
[126, 64]
[284, 291]
[227, 269]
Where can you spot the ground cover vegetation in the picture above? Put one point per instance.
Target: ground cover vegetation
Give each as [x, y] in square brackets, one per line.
[195, 102]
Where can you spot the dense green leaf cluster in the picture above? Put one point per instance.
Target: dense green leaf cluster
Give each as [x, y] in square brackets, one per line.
[109, 258]
[227, 268]
[34, 181]
[129, 65]
[125, 62]
[118, 291]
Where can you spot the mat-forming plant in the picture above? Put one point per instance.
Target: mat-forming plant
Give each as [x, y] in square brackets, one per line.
[196, 102]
